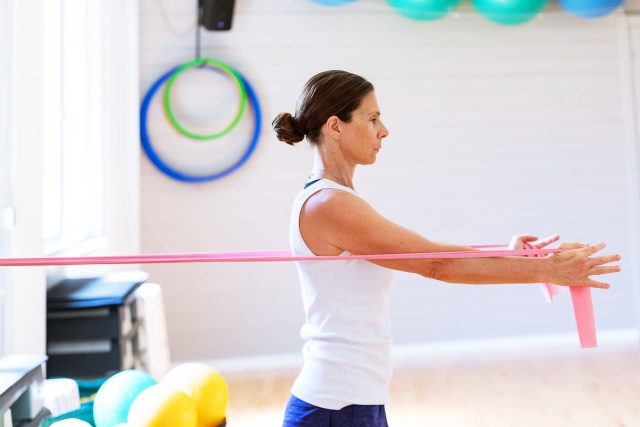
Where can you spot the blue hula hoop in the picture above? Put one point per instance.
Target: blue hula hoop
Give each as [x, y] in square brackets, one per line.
[180, 176]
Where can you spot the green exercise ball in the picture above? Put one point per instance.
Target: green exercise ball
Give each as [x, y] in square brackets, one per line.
[424, 10]
[509, 12]
[115, 396]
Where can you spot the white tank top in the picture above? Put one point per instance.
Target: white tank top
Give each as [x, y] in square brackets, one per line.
[347, 354]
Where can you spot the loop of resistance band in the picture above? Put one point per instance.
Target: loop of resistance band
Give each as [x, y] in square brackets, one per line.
[181, 176]
[210, 63]
[581, 296]
[262, 256]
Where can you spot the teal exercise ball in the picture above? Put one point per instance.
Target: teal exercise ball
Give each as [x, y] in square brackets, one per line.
[114, 398]
[509, 12]
[332, 2]
[590, 8]
[424, 10]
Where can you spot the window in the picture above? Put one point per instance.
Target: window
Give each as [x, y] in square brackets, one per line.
[73, 208]
[5, 209]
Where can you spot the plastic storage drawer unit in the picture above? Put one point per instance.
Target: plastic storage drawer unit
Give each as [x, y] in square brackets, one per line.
[94, 326]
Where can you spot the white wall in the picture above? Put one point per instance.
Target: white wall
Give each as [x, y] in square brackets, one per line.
[26, 287]
[120, 87]
[494, 131]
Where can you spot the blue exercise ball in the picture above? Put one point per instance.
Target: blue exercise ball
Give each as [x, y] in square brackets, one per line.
[424, 10]
[114, 398]
[590, 8]
[332, 2]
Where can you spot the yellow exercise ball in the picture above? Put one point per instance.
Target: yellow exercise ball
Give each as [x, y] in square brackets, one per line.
[162, 406]
[205, 387]
[71, 422]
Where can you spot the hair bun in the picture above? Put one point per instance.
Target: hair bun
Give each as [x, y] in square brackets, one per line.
[286, 130]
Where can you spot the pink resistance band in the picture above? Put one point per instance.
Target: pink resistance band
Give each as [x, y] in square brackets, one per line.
[581, 296]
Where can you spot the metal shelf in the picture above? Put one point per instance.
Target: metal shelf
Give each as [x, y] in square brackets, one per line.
[17, 373]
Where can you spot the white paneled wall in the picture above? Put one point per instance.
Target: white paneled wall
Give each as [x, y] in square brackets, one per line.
[493, 131]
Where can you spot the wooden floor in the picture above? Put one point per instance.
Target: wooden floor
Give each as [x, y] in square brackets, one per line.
[592, 388]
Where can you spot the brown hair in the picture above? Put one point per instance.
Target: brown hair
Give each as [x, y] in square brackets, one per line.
[330, 93]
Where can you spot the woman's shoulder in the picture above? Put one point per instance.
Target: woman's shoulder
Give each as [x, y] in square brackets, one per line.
[330, 201]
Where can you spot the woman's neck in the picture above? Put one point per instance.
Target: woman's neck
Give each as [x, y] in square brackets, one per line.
[333, 167]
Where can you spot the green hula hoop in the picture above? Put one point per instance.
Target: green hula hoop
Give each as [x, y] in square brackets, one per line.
[242, 95]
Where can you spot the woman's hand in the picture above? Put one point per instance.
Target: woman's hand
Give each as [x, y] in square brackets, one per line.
[573, 266]
[518, 241]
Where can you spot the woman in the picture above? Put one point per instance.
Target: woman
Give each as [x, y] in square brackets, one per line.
[347, 363]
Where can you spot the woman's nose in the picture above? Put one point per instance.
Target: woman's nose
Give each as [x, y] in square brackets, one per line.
[384, 132]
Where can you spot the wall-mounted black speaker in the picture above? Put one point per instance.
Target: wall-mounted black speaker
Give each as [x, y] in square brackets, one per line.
[216, 15]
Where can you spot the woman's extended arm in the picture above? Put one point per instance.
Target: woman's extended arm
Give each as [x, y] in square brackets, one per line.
[332, 221]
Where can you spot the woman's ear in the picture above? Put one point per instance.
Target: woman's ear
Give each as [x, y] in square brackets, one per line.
[333, 127]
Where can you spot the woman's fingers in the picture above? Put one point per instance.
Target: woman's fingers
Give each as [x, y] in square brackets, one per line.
[590, 250]
[598, 285]
[573, 245]
[603, 270]
[605, 259]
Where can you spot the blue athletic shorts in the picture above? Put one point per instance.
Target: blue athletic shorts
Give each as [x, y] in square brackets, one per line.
[303, 414]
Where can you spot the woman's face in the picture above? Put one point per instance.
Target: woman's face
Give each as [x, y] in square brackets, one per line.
[362, 137]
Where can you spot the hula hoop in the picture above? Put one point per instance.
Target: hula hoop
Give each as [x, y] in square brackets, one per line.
[180, 176]
[212, 63]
